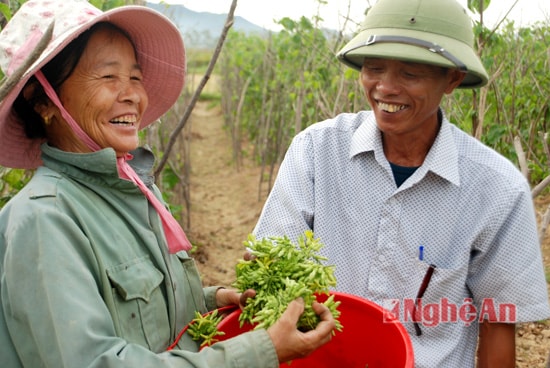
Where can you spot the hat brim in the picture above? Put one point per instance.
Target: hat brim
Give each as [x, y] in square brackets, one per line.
[354, 55]
[160, 53]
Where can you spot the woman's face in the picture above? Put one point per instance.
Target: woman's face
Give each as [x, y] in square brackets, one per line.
[105, 94]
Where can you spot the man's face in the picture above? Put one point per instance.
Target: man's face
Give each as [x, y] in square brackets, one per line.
[405, 96]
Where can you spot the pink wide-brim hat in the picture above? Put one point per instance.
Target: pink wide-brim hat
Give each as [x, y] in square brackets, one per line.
[159, 47]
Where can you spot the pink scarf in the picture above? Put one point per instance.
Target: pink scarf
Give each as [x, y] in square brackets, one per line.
[175, 236]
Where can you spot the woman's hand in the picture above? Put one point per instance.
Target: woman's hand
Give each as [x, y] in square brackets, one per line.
[289, 342]
[225, 297]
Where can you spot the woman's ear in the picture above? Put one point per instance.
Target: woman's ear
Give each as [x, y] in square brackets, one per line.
[28, 91]
[40, 103]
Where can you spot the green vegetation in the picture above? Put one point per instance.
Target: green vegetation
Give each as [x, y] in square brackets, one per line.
[197, 60]
[273, 88]
[205, 328]
[280, 272]
[11, 181]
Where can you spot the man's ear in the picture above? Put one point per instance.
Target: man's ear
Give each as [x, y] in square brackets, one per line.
[455, 78]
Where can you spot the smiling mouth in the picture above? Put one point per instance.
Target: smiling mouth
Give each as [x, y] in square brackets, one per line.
[391, 108]
[124, 120]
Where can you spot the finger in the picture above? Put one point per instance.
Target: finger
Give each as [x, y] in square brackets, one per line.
[226, 297]
[327, 323]
[321, 310]
[248, 256]
[294, 310]
[247, 294]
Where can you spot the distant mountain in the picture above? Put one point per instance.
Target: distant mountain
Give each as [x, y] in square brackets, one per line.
[202, 29]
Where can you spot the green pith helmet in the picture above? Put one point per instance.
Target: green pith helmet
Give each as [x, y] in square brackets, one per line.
[436, 32]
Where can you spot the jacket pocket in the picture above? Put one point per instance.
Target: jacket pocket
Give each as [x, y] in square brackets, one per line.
[140, 307]
[193, 288]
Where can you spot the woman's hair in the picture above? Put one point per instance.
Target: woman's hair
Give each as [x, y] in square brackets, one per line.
[56, 72]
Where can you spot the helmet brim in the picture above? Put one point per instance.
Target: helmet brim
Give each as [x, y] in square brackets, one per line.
[359, 48]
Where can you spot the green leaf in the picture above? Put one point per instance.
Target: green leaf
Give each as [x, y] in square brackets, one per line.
[476, 5]
[15, 178]
[6, 11]
[169, 178]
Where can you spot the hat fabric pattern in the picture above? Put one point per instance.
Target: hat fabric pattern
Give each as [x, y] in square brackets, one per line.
[435, 32]
[159, 48]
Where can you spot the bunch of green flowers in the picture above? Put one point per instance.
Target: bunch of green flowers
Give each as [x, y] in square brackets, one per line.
[204, 328]
[281, 271]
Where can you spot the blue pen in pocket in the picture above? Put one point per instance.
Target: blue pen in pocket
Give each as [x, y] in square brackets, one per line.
[421, 253]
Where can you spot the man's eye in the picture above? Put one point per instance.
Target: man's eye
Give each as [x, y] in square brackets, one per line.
[108, 76]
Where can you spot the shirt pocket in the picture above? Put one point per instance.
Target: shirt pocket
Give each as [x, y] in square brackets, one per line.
[444, 306]
[192, 284]
[140, 306]
[444, 283]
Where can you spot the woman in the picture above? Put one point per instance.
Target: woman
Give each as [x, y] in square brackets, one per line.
[94, 269]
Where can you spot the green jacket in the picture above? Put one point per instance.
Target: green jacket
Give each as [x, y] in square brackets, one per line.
[87, 281]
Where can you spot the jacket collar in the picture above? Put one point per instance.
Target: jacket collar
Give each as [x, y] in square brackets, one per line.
[99, 166]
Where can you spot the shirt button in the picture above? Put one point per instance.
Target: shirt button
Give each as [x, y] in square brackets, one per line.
[381, 258]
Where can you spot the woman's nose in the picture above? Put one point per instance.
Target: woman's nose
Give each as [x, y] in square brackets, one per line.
[130, 92]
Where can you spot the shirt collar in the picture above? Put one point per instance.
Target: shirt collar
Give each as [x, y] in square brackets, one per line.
[99, 165]
[442, 159]
[366, 138]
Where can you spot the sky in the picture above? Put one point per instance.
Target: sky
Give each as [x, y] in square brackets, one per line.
[264, 12]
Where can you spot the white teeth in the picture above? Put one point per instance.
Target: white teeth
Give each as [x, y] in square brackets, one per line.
[390, 108]
[127, 119]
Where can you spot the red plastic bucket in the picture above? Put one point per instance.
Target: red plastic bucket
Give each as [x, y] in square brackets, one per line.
[370, 338]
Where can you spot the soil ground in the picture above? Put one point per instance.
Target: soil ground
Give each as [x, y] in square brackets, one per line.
[225, 207]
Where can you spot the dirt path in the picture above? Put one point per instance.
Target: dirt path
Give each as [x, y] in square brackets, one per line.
[224, 202]
[225, 208]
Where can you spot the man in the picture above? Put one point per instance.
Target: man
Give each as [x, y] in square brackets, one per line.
[415, 214]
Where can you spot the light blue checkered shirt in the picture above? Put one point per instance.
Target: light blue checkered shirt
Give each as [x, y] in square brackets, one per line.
[467, 205]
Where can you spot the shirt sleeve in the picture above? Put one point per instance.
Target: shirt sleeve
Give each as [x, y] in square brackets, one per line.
[56, 316]
[289, 208]
[507, 274]
[210, 297]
